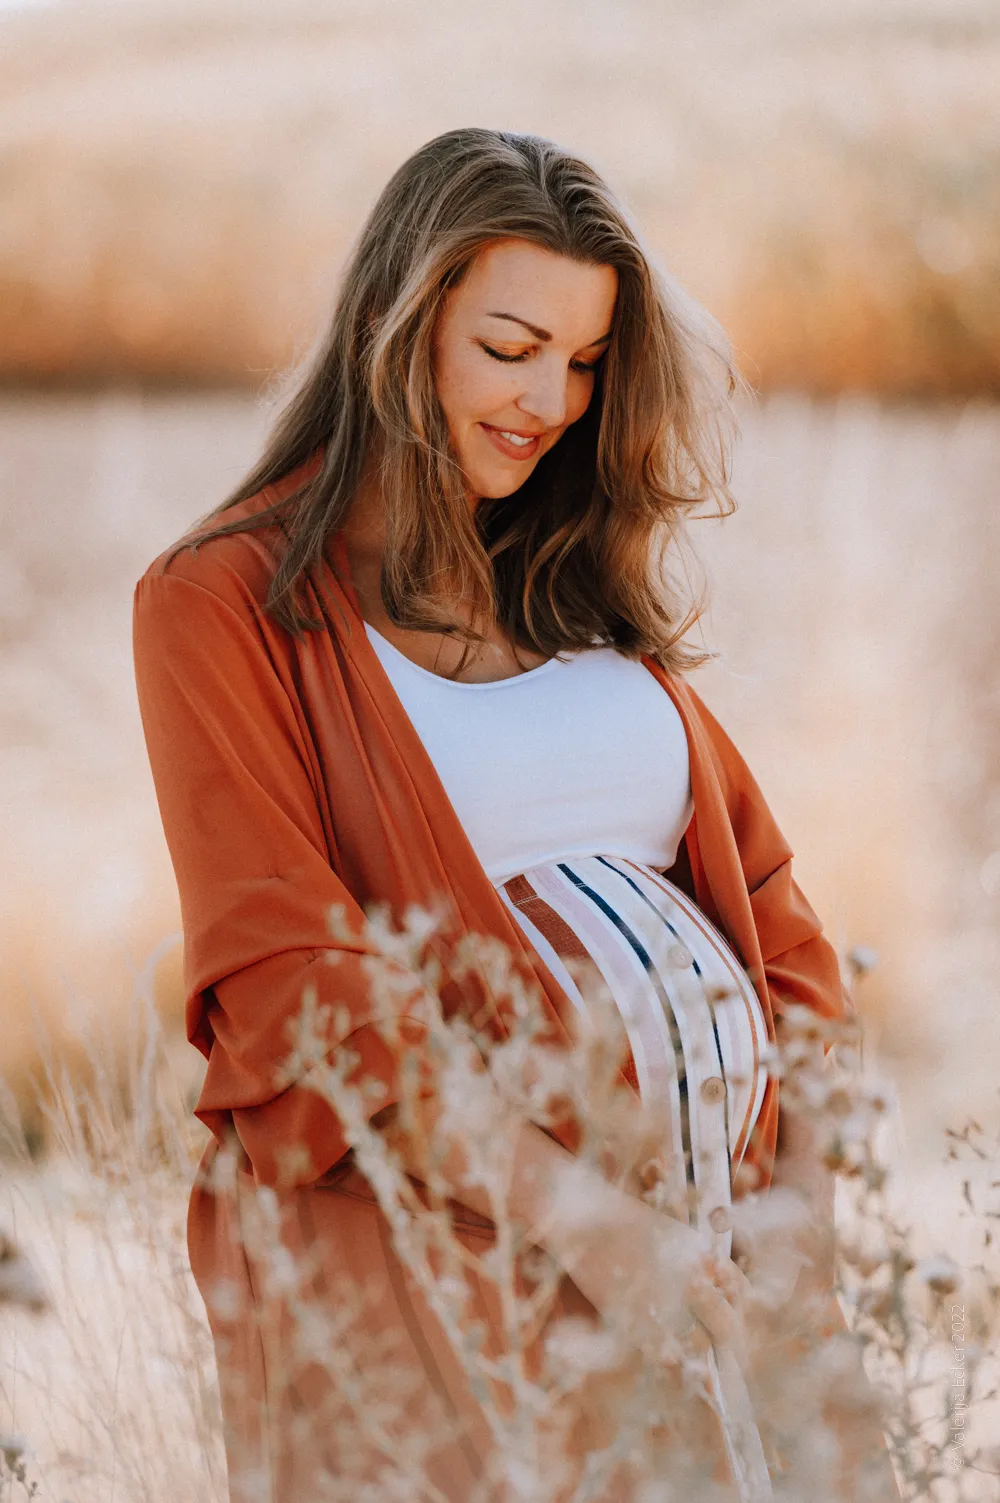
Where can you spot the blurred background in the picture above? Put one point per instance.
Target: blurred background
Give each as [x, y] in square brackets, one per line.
[179, 184]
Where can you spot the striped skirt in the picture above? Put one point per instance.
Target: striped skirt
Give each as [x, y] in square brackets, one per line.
[697, 1035]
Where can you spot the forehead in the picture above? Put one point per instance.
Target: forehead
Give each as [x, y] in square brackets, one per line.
[534, 283]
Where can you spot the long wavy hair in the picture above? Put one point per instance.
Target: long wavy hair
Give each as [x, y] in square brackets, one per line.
[582, 554]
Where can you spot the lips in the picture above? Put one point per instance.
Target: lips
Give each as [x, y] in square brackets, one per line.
[506, 447]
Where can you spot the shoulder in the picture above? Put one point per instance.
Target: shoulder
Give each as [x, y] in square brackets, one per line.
[236, 569]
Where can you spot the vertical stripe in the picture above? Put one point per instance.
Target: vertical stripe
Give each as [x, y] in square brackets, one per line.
[686, 1024]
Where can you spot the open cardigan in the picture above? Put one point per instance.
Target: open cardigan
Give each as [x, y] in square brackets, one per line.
[289, 779]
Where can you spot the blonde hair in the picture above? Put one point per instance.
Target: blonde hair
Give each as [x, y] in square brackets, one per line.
[576, 556]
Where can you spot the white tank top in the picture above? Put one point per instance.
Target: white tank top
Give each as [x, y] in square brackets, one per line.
[581, 756]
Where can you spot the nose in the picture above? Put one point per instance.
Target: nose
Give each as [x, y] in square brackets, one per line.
[545, 395]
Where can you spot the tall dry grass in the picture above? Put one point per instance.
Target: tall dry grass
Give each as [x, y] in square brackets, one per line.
[108, 1387]
[111, 1394]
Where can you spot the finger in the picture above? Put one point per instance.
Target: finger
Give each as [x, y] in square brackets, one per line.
[711, 1307]
[729, 1280]
[721, 1308]
[723, 1274]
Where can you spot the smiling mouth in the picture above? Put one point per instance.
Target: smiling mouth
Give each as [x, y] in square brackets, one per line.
[515, 445]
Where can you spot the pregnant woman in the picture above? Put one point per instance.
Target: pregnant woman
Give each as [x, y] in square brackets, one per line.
[430, 648]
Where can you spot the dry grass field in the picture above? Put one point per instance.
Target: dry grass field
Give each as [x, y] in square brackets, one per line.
[179, 181]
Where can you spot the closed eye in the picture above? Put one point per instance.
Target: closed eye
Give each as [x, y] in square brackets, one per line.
[576, 365]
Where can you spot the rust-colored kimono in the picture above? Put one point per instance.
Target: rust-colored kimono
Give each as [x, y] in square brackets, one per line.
[290, 778]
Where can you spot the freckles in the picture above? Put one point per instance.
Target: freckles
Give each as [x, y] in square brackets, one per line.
[484, 390]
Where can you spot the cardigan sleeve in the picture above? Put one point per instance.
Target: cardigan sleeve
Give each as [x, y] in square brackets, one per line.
[242, 822]
[800, 963]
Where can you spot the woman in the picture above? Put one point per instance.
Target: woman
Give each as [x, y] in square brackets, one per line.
[428, 647]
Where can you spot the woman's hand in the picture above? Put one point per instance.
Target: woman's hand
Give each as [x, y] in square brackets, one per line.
[636, 1265]
[647, 1272]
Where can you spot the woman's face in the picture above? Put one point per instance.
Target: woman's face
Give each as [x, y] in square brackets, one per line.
[515, 351]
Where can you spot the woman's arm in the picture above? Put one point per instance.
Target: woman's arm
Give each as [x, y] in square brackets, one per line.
[237, 788]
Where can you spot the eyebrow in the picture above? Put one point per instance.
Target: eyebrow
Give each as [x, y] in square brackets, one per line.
[542, 334]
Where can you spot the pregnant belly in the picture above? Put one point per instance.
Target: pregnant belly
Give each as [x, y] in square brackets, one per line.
[693, 1019]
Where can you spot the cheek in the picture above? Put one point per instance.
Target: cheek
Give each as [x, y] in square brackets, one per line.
[468, 389]
[580, 395]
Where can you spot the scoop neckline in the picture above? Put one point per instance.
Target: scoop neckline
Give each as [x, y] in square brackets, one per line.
[453, 683]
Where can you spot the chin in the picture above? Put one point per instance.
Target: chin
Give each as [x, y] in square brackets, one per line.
[494, 487]
[498, 490]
